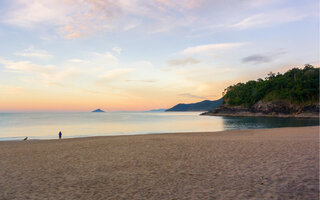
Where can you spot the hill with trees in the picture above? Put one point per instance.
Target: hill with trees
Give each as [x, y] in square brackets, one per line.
[295, 92]
[200, 106]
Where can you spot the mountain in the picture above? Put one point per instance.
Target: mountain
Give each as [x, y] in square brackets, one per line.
[98, 110]
[292, 94]
[158, 110]
[200, 106]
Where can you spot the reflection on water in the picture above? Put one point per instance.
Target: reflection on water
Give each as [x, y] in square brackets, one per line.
[47, 125]
[266, 122]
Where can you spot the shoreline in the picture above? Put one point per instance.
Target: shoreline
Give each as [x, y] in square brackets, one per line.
[278, 163]
[251, 114]
[149, 134]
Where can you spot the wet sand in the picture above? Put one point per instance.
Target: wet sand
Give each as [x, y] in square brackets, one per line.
[281, 163]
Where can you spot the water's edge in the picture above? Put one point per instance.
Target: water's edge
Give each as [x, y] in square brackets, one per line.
[41, 126]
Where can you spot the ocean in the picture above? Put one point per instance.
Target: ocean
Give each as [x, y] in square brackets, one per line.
[16, 126]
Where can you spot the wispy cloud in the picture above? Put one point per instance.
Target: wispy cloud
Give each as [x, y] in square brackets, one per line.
[131, 25]
[117, 50]
[9, 89]
[43, 75]
[106, 58]
[77, 61]
[114, 75]
[54, 83]
[210, 47]
[183, 62]
[28, 14]
[71, 18]
[143, 80]
[89, 91]
[26, 67]
[182, 4]
[268, 19]
[80, 18]
[189, 95]
[31, 52]
[69, 73]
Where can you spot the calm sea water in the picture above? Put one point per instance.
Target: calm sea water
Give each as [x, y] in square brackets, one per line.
[16, 126]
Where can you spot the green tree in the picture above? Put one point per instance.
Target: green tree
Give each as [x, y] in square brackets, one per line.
[295, 86]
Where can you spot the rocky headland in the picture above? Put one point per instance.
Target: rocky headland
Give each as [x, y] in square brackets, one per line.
[292, 94]
[268, 109]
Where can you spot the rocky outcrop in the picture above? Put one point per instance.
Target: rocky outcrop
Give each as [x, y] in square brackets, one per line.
[281, 107]
[272, 109]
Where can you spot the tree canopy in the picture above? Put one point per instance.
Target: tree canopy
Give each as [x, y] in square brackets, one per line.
[299, 86]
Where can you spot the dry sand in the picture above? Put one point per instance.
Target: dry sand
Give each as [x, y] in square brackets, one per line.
[278, 163]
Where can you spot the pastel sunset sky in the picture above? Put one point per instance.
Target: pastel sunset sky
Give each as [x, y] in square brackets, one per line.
[79, 55]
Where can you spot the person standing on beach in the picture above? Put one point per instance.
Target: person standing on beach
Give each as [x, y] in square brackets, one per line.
[60, 135]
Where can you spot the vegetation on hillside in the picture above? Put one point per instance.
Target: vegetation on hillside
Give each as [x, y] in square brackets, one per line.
[298, 86]
[199, 106]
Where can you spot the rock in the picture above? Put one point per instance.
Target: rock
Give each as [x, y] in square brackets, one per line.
[276, 108]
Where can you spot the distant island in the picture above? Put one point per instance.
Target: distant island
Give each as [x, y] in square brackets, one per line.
[199, 106]
[158, 110]
[98, 110]
[292, 94]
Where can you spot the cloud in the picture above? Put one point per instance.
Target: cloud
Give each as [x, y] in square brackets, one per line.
[183, 62]
[259, 58]
[106, 58]
[189, 95]
[45, 75]
[10, 89]
[89, 91]
[117, 50]
[68, 73]
[130, 26]
[110, 56]
[115, 75]
[268, 19]
[95, 62]
[71, 18]
[71, 32]
[82, 18]
[77, 61]
[26, 67]
[182, 4]
[144, 80]
[210, 47]
[256, 59]
[34, 53]
[54, 83]
[29, 13]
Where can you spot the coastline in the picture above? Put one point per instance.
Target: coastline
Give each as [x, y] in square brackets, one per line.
[236, 164]
[252, 114]
[267, 109]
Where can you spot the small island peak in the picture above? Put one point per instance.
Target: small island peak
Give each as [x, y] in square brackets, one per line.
[98, 110]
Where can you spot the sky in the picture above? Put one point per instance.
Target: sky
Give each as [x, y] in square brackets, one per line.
[130, 55]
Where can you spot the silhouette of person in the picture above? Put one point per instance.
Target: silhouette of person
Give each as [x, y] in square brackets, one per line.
[60, 135]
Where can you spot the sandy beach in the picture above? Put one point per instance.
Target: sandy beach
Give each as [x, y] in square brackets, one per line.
[280, 163]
